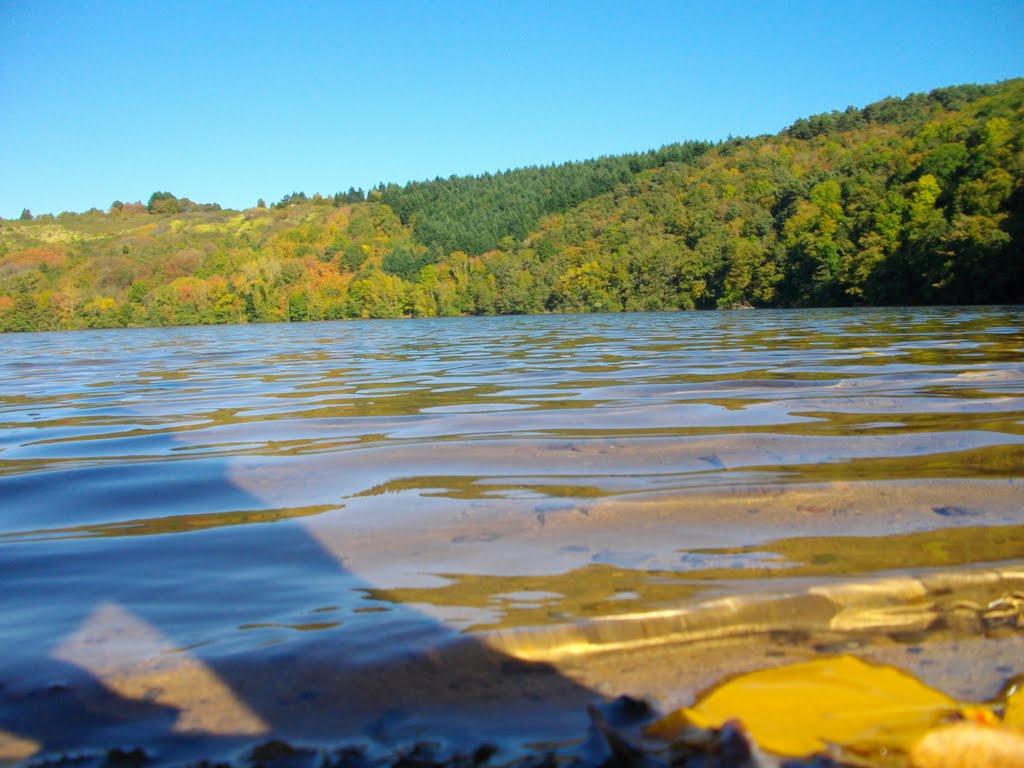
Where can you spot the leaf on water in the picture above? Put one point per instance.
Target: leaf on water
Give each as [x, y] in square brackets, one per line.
[1014, 714]
[804, 708]
[969, 744]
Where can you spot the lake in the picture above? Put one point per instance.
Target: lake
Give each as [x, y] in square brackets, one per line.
[468, 529]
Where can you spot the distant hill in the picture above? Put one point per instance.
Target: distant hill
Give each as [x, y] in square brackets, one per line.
[906, 201]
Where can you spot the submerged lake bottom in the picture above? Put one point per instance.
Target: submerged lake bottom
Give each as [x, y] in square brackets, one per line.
[469, 531]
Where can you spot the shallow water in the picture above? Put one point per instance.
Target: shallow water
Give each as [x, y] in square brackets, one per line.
[375, 530]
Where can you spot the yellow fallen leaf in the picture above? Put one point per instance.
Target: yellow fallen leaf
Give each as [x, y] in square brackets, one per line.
[803, 708]
[969, 745]
[1014, 714]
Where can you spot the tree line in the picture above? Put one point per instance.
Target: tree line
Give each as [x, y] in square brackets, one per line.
[905, 201]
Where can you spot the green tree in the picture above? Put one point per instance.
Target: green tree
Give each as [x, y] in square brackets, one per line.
[586, 288]
[930, 269]
[816, 239]
[379, 295]
[402, 262]
[163, 203]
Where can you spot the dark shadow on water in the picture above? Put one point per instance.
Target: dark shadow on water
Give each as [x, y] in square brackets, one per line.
[243, 624]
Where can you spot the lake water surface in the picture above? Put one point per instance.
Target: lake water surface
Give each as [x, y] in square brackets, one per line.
[468, 529]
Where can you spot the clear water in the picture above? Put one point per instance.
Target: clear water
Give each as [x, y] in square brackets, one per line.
[332, 531]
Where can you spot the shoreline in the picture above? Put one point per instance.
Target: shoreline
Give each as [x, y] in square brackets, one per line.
[518, 688]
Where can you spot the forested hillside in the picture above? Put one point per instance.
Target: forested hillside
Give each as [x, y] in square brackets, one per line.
[475, 214]
[906, 201]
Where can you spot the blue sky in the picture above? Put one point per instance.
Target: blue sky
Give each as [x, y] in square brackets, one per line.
[231, 102]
